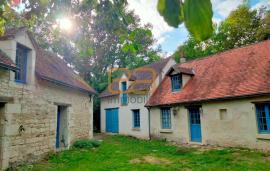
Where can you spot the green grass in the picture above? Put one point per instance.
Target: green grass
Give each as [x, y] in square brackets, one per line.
[125, 153]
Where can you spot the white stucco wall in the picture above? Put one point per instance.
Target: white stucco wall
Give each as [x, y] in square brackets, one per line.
[135, 102]
[238, 129]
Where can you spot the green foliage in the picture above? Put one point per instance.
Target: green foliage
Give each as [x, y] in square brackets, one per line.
[86, 144]
[171, 10]
[196, 14]
[105, 35]
[124, 153]
[198, 18]
[242, 27]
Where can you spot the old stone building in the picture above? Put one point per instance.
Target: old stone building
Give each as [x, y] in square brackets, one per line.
[44, 105]
[223, 99]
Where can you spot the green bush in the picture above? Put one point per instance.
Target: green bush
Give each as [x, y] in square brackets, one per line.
[86, 144]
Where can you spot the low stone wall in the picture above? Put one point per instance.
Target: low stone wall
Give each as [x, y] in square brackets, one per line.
[30, 119]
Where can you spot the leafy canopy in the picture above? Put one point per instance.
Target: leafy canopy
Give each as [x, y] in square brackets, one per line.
[242, 27]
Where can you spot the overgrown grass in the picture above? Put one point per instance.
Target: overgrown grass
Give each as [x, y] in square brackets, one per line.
[125, 153]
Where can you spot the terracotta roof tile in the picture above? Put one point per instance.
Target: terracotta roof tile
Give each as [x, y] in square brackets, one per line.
[235, 73]
[6, 62]
[12, 32]
[50, 67]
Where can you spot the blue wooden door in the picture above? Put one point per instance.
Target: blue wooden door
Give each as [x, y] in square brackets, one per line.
[112, 125]
[57, 144]
[195, 125]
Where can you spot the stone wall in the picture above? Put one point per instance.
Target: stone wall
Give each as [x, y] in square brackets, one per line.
[238, 129]
[30, 118]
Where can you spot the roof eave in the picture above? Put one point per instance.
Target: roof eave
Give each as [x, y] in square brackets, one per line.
[8, 67]
[212, 100]
[64, 84]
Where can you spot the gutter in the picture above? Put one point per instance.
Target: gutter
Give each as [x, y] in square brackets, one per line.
[149, 123]
[12, 68]
[212, 100]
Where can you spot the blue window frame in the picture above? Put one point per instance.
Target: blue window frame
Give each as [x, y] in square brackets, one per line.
[263, 117]
[124, 97]
[21, 63]
[136, 118]
[176, 81]
[166, 118]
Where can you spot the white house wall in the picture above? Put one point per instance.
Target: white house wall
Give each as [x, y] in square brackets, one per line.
[238, 129]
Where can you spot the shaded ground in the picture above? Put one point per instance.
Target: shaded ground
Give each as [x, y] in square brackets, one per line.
[125, 153]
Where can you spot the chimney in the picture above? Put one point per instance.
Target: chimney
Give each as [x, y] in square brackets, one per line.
[183, 60]
[182, 57]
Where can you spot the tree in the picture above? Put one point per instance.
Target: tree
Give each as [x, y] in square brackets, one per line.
[242, 27]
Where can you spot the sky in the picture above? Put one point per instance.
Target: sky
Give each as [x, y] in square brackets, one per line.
[170, 38]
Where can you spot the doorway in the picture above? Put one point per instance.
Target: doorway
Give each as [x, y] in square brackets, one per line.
[2, 122]
[62, 133]
[195, 124]
[112, 125]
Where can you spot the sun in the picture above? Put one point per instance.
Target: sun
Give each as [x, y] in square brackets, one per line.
[65, 24]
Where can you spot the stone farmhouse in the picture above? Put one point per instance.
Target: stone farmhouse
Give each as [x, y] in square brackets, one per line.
[222, 100]
[122, 103]
[44, 105]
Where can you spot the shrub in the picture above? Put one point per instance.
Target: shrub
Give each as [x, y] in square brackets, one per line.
[82, 144]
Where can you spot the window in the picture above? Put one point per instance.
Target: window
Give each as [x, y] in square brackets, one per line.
[21, 63]
[263, 117]
[223, 114]
[136, 118]
[124, 97]
[166, 118]
[176, 81]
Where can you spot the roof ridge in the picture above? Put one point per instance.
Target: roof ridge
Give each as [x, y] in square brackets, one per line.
[224, 52]
[156, 62]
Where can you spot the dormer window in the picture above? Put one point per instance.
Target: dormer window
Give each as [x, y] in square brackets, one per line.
[176, 81]
[21, 63]
[179, 77]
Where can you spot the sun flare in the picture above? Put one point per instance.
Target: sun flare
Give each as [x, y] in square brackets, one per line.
[65, 24]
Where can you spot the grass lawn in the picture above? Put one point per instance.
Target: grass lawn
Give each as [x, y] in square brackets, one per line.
[124, 153]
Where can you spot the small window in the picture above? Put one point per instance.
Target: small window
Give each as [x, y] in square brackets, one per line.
[263, 118]
[124, 97]
[223, 114]
[166, 118]
[136, 118]
[21, 63]
[176, 81]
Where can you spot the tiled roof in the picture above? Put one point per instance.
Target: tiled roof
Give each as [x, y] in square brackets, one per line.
[137, 75]
[48, 65]
[6, 62]
[237, 73]
[51, 68]
[12, 32]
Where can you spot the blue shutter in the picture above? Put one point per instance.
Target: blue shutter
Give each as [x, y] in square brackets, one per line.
[263, 117]
[176, 81]
[21, 63]
[166, 118]
[136, 118]
[124, 97]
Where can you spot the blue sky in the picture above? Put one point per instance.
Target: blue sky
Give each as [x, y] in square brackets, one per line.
[170, 38]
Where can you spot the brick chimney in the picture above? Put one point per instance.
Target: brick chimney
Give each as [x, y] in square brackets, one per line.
[182, 57]
[183, 60]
